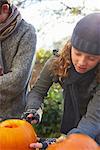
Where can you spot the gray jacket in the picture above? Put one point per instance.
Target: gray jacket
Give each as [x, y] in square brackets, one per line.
[17, 53]
[89, 102]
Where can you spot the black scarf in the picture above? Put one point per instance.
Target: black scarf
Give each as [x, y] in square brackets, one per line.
[71, 115]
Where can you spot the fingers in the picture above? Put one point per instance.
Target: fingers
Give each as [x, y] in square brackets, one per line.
[34, 122]
[30, 115]
[61, 138]
[43, 143]
[33, 116]
[36, 145]
[31, 120]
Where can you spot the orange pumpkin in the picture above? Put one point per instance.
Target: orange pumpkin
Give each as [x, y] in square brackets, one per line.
[16, 134]
[75, 142]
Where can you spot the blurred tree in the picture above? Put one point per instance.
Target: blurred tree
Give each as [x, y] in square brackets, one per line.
[73, 10]
[22, 2]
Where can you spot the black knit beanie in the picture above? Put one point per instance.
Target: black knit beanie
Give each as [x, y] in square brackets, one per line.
[86, 34]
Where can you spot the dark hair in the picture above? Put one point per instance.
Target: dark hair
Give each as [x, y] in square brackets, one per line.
[5, 2]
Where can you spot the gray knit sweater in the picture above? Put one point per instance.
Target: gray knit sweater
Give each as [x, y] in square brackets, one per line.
[17, 52]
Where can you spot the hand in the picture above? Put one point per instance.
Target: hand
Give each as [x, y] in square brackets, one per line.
[61, 138]
[43, 143]
[33, 116]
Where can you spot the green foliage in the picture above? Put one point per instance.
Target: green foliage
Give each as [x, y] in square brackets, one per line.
[50, 124]
[75, 10]
[43, 55]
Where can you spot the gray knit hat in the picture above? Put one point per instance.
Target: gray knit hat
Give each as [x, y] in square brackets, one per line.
[86, 34]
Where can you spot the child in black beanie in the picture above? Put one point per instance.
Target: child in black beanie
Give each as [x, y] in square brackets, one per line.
[77, 69]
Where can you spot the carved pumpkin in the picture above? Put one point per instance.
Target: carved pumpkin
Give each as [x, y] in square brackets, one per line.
[16, 134]
[75, 142]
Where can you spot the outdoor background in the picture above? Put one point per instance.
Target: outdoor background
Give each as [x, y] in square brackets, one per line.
[54, 21]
